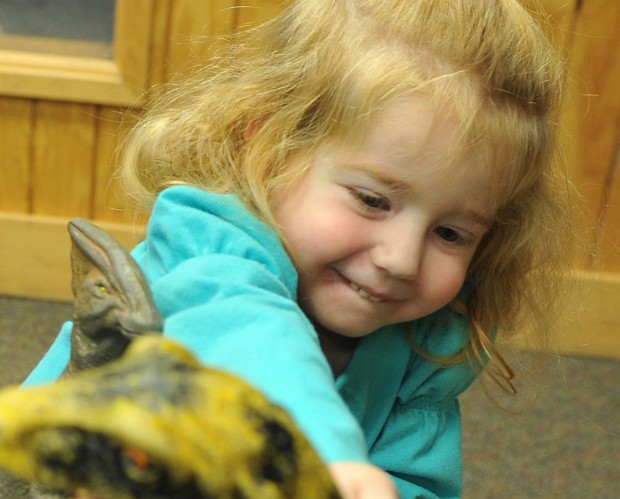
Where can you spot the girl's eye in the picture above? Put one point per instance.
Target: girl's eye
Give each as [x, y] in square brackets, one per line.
[370, 200]
[447, 234]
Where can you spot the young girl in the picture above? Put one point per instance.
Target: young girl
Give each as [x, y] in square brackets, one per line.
[348, 207]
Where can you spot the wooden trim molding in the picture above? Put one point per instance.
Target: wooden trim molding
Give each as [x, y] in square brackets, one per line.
[593, 327]
[35, 254]
[122, 80]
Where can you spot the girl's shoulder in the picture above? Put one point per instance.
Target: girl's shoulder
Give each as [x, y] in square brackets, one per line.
[185, 210]
[187, 223]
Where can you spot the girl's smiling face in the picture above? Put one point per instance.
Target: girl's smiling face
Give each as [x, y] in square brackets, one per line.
[382, 230]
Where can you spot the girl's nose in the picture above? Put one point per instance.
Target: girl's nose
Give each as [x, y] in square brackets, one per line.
[399, 253]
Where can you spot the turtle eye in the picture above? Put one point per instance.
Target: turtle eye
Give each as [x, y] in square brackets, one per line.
[138, 466]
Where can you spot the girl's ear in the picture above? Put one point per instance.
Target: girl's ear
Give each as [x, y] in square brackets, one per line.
[253, 126]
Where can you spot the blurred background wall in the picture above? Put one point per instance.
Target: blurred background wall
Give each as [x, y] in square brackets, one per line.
[75, 73]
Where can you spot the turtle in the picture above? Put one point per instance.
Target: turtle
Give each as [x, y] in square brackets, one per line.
[136, 416]
[156, 424]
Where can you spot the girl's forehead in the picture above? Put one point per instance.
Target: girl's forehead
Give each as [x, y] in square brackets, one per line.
[414, 127]
[421, 135]
[416, 113]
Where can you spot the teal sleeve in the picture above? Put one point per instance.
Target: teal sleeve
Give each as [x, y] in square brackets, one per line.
[227, 291]
[256, 333]
[54, 361]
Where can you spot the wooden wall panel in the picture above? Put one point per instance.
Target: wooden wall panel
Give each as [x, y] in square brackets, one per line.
[158, 66]
[134, 63]
[109, 202]
[15, 141]
[610, 233]
[252, 12]
[595, 61]
[195, 32]
[560, 28]
[62, 158]
[601, 23]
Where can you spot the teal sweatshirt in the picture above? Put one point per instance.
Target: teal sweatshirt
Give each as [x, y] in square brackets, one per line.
[227, 290]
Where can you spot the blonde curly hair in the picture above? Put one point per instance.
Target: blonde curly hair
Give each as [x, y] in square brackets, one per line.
[323, 68]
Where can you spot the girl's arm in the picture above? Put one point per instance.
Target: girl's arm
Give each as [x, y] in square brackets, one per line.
[251, 330]
[227, 290]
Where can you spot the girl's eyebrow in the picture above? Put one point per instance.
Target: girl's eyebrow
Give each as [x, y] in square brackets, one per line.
[482, 220]
[394, 184]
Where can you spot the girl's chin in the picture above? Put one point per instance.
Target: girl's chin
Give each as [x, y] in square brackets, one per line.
[335, 306]
[350, 327]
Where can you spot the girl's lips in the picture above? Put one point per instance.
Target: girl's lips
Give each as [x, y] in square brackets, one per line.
[363, 293]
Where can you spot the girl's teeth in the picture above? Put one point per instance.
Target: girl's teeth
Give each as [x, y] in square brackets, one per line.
[364, 294]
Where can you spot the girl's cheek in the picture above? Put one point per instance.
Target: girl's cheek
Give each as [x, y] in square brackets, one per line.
[451, 281]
